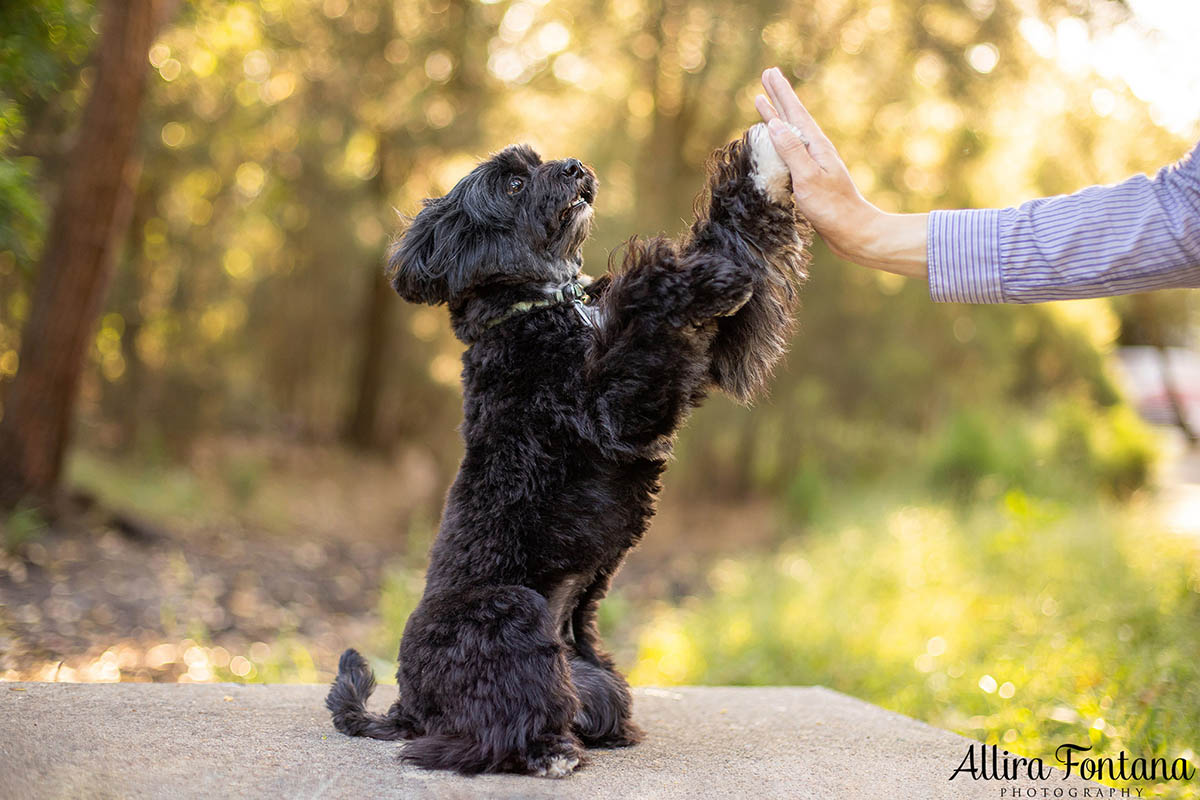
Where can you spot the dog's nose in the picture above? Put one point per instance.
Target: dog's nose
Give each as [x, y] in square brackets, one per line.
[572, 168]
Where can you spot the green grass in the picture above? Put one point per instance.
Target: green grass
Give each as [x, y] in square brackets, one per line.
[157, 490]
[20, 526]
[1024, 623]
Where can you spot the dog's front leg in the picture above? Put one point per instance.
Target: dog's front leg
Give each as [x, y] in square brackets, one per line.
[648, 364]
[749, 219]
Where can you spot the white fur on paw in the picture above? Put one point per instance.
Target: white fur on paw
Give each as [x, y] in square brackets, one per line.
[558, 767]
[770, 174]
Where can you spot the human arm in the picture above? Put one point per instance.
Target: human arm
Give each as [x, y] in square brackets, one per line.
[1135, 236]
[1138, 235]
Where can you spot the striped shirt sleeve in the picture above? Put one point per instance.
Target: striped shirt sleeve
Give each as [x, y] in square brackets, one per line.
[1134, 236]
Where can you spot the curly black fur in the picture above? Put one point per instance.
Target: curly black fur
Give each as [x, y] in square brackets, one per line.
[568, 427]
[731, 219]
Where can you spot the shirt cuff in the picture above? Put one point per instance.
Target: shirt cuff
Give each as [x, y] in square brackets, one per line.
[964, 256]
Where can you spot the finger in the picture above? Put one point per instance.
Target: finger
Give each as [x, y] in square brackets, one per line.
[781, 95]
[784, 98]
[768, 113]
[765, 109]
[791, 148]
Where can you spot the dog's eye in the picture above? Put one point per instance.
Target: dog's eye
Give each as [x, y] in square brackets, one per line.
[515, 184]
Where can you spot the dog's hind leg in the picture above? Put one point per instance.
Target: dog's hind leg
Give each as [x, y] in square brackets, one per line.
[491, 675]
[606, 705]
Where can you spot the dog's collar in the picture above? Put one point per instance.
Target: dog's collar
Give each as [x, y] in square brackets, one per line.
[571, 293]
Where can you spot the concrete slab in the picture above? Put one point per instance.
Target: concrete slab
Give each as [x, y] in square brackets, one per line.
[225, 740]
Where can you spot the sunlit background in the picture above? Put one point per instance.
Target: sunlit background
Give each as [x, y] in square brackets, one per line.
[955, 512]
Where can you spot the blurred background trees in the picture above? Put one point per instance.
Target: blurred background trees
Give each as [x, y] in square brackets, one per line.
[282, 138]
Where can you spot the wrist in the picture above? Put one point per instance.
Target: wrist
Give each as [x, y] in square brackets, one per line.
[894, 243]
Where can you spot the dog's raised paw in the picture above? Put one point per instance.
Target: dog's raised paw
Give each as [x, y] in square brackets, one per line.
[770, 174]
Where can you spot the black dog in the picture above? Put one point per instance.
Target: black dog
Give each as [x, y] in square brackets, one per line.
[571, 409]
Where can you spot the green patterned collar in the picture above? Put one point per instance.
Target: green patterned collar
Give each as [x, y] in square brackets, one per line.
[572, 293]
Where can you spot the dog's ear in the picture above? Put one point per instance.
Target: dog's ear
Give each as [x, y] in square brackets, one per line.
[441, 252]
[412, 261]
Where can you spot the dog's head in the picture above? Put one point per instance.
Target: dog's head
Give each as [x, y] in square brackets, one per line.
[512, 220]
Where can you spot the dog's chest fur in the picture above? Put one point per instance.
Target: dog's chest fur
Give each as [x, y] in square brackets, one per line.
[545, 505]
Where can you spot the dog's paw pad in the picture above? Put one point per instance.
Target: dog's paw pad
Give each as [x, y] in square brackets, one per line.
[770, 174]
[558, 767]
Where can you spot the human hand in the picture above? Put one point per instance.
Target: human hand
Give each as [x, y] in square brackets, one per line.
[825, 193]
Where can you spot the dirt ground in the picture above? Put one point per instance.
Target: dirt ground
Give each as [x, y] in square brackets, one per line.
[78, 593]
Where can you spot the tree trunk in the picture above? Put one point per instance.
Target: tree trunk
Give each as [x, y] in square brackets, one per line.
[92, 210]
[360, 428]
[359, 431]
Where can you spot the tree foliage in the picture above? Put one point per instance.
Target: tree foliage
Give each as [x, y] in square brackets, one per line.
[42, 46]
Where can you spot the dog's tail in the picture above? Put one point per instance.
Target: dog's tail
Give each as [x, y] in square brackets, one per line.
[347, 700]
